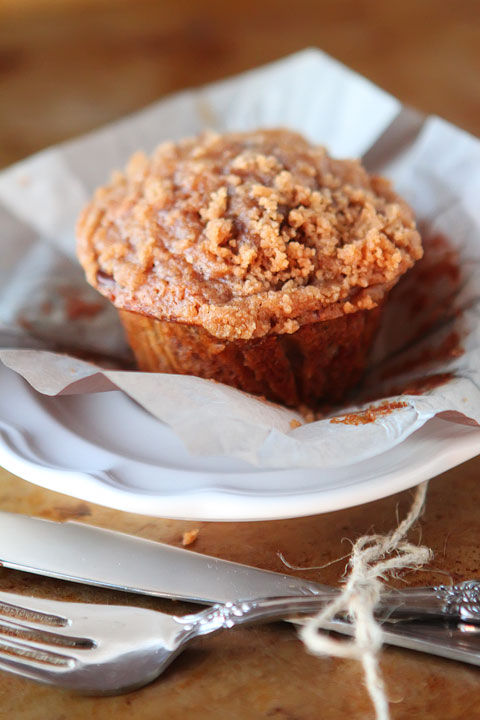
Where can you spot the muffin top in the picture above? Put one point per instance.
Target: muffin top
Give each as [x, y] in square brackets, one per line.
[245, 234]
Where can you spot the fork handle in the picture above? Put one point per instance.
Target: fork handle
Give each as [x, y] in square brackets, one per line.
[459, 603]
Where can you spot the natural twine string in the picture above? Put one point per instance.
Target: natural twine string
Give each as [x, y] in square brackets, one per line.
[372, 558]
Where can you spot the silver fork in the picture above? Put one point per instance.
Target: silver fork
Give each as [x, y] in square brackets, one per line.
[108, 649]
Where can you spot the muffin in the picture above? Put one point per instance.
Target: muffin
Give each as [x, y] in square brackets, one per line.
[254, 259]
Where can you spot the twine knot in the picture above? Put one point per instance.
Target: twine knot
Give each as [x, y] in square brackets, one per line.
[373, 557]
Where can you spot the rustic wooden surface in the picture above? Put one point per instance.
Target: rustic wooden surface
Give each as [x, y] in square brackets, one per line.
[65, 68]
[264, 672]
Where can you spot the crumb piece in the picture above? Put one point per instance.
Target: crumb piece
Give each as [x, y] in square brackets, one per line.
[366, 303]
[189, 537]
[307, 413]
[349, 308]
[369, 415]
[295, 424]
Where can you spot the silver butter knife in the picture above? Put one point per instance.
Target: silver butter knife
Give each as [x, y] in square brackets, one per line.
[87, 554]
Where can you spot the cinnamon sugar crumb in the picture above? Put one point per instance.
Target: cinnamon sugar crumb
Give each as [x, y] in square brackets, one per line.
[369, 415]
[189, 537]
[225, 222]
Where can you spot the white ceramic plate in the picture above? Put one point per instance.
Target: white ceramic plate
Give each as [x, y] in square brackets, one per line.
[106, 449]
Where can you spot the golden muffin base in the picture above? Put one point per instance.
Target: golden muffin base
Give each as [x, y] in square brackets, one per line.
[320, 362]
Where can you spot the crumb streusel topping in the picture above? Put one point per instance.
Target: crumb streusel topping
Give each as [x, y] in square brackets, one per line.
[246, 234]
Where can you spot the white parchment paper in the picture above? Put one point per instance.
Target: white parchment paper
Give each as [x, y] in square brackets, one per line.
[427, 357]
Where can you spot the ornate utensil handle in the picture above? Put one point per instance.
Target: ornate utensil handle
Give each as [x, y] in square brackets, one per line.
[459, 603]
[228, 615]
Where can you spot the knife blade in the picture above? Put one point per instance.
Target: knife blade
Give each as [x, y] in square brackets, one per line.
[106, 558]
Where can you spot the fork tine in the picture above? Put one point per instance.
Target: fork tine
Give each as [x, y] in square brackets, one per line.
[36, 657]
[26, 666]
[24, 669]
[50, 609]
[60, 636]
[34, 650]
